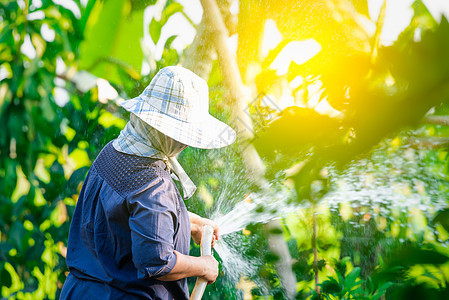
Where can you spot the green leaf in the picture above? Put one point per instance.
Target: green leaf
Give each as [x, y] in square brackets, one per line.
[381, 291]
[169, 41]
[351, 279]
[86, 13]
[169, 11]
[74, 180]
[321, 264]
[442, 217]
[276, 231]
[425, 18]
[421, 256]
[331, 286]
[5, 277]
[16, 234]
[142, 4]
[113, 35]
[155, 30]
[271, 257]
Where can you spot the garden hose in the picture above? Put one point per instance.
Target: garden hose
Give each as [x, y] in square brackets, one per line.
[206, 249]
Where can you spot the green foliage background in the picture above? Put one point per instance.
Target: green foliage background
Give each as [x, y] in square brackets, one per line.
[47, 148]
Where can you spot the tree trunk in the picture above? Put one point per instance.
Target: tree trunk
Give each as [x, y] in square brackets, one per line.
[315, 251]
[239, 96]
[201, 53]
[279, 247]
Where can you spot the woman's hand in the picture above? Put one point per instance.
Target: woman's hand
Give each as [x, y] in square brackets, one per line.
[197, 224]
[210, 268]
[188, 266]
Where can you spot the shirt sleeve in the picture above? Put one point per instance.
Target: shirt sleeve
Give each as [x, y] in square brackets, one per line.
[152, 222]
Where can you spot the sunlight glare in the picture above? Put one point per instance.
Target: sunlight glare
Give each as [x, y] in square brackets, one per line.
[105, 91]
[314, 90]
[399, 13]
[71, 5]
[271, 37]
[297, 51]
[193, 9]
[324, 108]
[296, 82]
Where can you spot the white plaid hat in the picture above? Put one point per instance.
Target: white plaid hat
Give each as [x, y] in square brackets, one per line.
[176, 103]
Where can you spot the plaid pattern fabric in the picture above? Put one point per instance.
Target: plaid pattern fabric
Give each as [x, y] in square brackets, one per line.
[140, 139]
[176, 103]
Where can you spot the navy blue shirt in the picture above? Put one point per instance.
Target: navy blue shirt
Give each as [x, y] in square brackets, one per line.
[128, 220]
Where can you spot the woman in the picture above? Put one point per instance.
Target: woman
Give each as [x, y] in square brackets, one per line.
[130, 233]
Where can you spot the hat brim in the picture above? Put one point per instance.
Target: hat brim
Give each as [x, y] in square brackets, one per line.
[208, 133]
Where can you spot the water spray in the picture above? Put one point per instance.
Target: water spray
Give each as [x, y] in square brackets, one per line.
[206, 249]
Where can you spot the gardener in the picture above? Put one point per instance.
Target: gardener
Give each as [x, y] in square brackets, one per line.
[130, 233]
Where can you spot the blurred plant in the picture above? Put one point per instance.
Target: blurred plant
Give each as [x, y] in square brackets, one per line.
[347, 285]
[379, 93]
[34, 140]
[52, 133]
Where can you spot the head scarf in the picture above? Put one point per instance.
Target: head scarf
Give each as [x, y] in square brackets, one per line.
[139, 138]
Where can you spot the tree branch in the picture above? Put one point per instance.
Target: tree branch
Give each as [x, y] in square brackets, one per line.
[437, 120]
[201, 53]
